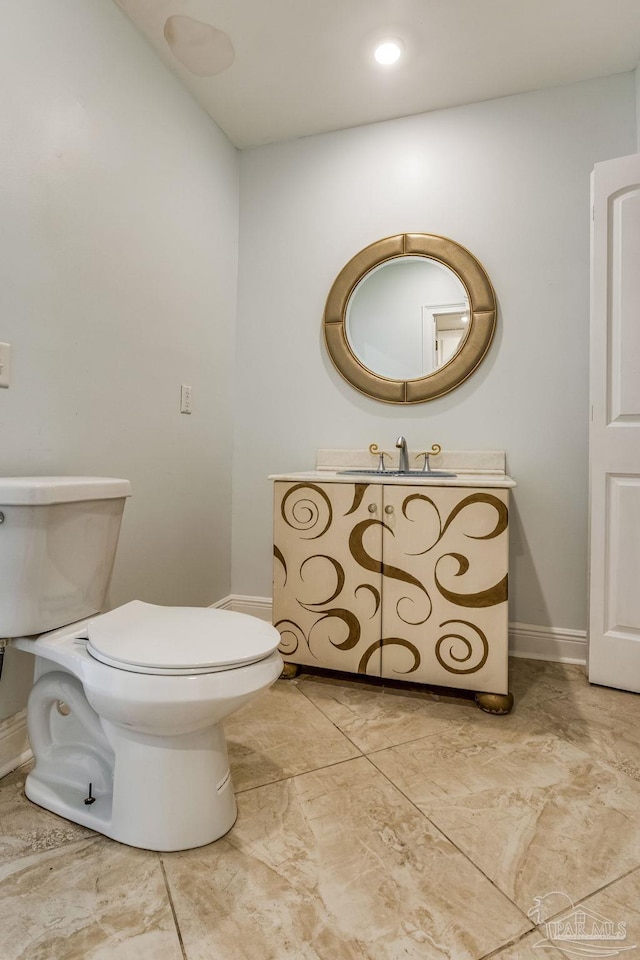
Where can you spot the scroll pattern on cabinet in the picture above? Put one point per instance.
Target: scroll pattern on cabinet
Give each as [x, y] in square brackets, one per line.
[393, 580]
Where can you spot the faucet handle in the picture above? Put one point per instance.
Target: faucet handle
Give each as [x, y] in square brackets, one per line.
[380, 454]
[436, 449]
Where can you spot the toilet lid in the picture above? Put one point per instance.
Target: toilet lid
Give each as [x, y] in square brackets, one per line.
[145, 638]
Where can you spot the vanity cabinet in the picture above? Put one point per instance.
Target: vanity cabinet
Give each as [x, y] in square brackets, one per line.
[399, 580]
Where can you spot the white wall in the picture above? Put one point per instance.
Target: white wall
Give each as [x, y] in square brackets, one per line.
[509, 179]
[118, 266]
[637, 77]
[386, 325]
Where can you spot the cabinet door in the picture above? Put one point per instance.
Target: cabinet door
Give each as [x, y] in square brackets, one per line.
[444, 586]
[326, 590]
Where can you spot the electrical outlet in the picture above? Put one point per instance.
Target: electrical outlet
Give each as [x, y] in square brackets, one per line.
[185, 399]
[5, 364]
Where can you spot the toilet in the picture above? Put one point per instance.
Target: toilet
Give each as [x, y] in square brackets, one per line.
[125, 715]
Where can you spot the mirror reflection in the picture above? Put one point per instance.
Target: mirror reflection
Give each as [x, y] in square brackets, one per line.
[407, 317]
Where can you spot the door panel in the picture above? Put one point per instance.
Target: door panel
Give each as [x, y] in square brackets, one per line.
[614, 440]
[624, 329]
[622, 615]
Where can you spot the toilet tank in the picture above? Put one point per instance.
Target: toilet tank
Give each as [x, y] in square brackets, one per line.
[58, 538]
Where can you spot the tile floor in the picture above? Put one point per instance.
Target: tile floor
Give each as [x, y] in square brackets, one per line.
[375, 823]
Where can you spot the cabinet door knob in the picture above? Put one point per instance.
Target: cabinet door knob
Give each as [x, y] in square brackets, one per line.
[372, 508]
[388, 509]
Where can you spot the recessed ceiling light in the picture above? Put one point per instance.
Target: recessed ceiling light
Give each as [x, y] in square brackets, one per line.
[388, 52]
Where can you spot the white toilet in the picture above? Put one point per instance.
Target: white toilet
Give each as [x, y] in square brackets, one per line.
[126, 709]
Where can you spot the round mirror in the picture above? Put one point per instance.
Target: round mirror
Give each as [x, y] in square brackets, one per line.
[409, 318]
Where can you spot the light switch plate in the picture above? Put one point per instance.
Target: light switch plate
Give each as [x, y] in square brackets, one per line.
[5, 364]
[185, 398]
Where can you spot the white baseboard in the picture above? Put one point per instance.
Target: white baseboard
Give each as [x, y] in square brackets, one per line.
[525, 639]
[255, 606]
[547, 643]
[14, 742]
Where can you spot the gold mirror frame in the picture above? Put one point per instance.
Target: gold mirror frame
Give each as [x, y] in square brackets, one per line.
[482, 318]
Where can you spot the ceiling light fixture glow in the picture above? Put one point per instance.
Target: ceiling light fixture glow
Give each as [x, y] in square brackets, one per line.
[388, 52]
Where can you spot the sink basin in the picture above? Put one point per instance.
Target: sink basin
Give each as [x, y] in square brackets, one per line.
[412, 474]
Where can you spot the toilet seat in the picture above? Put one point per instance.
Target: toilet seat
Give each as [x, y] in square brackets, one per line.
[146, 638]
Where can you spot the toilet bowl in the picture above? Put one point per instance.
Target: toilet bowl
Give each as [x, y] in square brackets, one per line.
[125, 715]
[125, 719]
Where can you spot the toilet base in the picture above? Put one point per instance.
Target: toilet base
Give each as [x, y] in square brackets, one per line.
[67, 800]
[155, 792]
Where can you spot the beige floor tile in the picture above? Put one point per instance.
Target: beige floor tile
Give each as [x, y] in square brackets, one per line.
[531, 948]
[279, 735]
[68, 894]
[28, 830]
[604, 723]
[378, 717]
[533, 811]
[335, 864]
[610, 926]
[375, 719]
[620, 905]
[91, 899]
[533, 682]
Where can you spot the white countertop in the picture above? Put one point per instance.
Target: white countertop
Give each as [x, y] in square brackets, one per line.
[463, 479]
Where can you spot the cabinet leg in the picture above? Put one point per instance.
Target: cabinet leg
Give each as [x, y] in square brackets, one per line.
[498, 703]
[289, 671]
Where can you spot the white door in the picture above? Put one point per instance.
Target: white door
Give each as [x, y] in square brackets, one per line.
[614, 447]
[447, 343]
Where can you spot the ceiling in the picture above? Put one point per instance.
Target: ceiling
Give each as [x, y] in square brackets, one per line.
[270, 70]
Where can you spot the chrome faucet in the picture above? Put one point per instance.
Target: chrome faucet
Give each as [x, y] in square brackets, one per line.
[403, 459]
